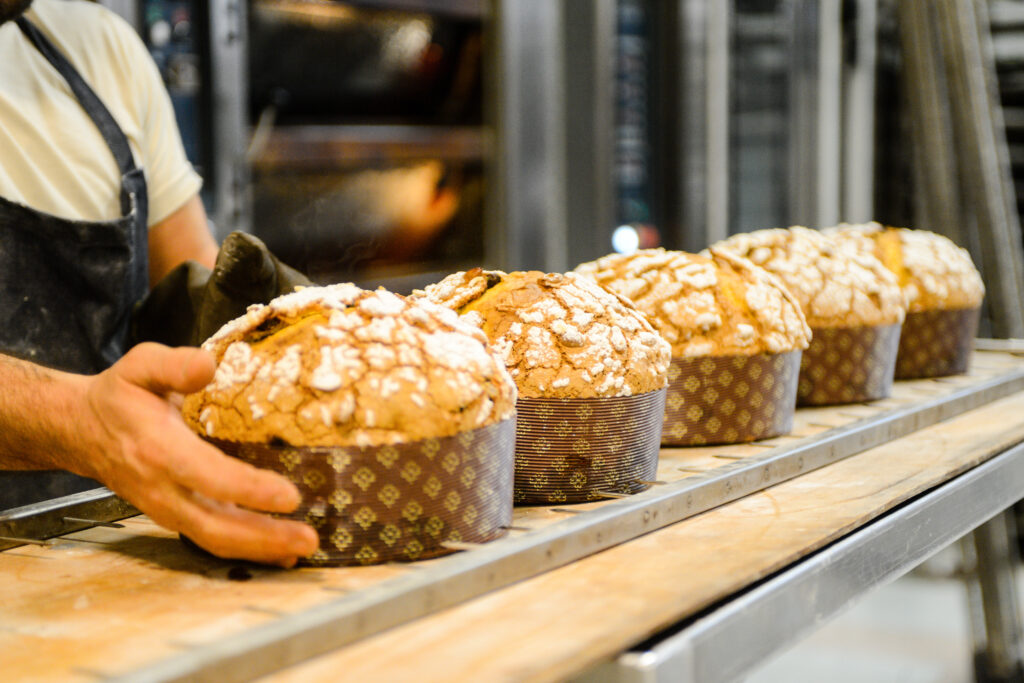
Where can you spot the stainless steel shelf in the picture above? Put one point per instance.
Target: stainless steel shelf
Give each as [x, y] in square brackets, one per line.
[733, 639]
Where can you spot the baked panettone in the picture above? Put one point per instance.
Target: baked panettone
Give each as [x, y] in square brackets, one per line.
[713, 304]
[338, 365]
[591, 372]
[852, 303]
[736, 334]
[942, 288]
[836, 287]
[933, 272]
[561, 336]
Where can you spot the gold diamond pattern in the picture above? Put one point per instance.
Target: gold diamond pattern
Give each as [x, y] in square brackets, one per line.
[730, 399]
[848, 365]
[566, 459]
[314, 479]
[411, 471]
[433, 487]
[290, 459]
[341, 538]
[389, 495]
[340, 499]
[364, 478]
[387, 456]
[339, 461]
[412, 510]
[390, 534]
[468, 476]
[936, 343]
[365, 517]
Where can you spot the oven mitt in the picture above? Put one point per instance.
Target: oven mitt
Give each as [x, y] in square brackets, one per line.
[191, 302]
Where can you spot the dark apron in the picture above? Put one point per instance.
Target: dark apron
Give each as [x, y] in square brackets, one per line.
[67, 287]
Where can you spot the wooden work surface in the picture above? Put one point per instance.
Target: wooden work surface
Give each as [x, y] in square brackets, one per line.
[104, 602]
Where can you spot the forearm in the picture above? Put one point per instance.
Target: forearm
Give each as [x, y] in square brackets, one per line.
[41, 414]
[122, 428]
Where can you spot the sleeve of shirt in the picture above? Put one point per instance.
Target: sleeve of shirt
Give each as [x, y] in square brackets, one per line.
[171, 180]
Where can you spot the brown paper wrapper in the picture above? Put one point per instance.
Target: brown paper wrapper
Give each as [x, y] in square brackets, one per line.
[730, 399]
[569, 450]
[397, 502]
[936, 343]
[848, 365]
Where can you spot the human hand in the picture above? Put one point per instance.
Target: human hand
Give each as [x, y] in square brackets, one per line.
[142, 450]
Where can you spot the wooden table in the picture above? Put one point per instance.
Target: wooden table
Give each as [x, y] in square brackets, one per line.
[573, 589]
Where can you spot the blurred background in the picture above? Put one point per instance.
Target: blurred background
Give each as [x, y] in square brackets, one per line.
[394, 141]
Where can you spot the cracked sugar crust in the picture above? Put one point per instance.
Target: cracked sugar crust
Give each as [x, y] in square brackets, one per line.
[713, 304]
[561, 336]
[339, 366]
[836, 286]
[934, 273]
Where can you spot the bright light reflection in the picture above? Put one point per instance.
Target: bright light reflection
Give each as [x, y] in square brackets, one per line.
[625, 239]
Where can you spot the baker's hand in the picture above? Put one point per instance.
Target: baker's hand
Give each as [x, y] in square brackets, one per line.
[184, 484]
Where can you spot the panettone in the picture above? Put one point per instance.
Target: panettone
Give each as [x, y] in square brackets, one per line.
[836, 287]
[714, 304]
[934, 273]
[561, 336]
[339, 366]
[941, 286]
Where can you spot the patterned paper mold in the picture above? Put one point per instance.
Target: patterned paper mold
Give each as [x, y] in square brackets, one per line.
[397, 502]
[943, 289]
[574, 450]
[729, 322]
[936, 343]
[730, 399]
[848, 365]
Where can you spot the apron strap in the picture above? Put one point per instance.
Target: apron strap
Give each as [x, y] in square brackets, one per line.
[97, 111]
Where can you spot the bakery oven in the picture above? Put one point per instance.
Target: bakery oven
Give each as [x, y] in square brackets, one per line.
[348, 136]
[368, 150]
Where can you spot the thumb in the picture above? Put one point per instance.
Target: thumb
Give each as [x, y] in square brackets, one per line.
[162, 370]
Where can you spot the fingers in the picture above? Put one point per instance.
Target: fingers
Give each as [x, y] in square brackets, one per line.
[231, 532]
[162, 369]
[215, 475]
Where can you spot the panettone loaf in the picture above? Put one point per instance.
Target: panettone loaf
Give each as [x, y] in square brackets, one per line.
[338, 366]
[836, 286]
[934, 273]
[560, 335]
[713, 304]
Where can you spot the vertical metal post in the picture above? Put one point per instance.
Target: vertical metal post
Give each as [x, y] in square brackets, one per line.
[229, 129]
[937, 204]
[589, 109]
[692, 120]
[815, 130]
[1001, 656]
[529, 87]
[859, 114]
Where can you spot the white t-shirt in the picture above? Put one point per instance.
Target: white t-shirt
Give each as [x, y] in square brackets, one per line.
[52, 157]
